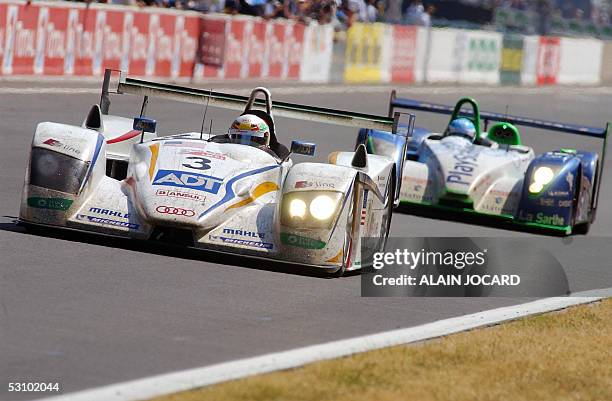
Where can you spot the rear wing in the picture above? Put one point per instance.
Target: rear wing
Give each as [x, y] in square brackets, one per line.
[133, 86]
[599, 133]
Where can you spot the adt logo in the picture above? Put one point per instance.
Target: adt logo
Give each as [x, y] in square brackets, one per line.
[181, 179]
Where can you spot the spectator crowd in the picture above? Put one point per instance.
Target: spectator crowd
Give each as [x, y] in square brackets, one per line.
[343, 13]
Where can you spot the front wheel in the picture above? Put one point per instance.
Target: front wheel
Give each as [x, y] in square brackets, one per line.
[388, 213]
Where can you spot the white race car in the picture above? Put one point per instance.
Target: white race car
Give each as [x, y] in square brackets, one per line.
[115, 176]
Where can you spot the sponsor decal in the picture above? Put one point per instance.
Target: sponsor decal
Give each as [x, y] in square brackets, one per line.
[554, 220]
[466, 162]
[557, 193]
[541, 218]
[108, 222]
[50, 203]
[244, 242]
[180, 195]
[548, 202]
[108, 212]
[206, 153]
[313, 184]
[244, 233]
[175, 211]
[364, 206]
[181, 179]
[301, 242]
[57, 144]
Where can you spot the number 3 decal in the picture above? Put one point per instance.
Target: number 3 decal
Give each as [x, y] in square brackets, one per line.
[198, 163]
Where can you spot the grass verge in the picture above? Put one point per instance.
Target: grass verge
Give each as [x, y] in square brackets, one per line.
[564, 355]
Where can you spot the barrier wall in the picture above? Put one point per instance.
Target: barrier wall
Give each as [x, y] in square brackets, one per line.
[70, 39]
[74, 39]
[580, 61]
[606, 62]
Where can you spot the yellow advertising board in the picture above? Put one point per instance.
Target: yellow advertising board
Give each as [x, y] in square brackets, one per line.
[364, 53]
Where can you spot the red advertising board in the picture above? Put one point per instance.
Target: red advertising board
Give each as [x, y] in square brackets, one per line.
[3, 8]
[186, 32]
[235, 49]
[70, 39]
[276, 49]
[549, 56]
[23, 40]
[211, 46]
[256, 48]
[403, 56]
[141, 44]
[293, 45]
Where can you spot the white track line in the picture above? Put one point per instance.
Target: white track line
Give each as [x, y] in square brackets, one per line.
[174, 382]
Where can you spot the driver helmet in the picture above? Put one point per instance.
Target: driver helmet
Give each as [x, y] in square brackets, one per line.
[462, 127]
[250, 130]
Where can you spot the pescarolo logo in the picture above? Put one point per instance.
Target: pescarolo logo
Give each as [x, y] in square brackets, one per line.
[181, 179]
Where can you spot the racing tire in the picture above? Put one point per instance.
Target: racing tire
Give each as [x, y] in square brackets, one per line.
[582, 228]
[386, 226]
[348, 241]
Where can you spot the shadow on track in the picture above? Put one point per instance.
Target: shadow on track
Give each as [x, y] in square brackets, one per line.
[164, 249]
[474, 219]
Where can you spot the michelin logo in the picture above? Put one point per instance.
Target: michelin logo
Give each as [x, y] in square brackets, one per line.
[243, 242]
[108, 222]
[181, 179]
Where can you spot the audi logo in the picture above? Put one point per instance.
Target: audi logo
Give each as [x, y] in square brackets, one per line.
[175, 210]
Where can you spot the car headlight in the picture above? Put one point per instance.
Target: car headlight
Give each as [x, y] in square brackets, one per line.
[542, 176]
[297, 208]
[322, 207]
[56, 171]
[310, 209]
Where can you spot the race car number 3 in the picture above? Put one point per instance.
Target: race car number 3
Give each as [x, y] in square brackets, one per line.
[197, 163]
[33, 387]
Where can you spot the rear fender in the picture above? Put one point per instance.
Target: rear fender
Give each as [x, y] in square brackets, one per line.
[117, 131]
[389, 146]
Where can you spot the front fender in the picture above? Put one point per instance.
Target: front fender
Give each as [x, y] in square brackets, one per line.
[554, 205]
[309, 243]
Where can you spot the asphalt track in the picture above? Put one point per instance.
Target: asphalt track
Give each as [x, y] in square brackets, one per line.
[90, 312]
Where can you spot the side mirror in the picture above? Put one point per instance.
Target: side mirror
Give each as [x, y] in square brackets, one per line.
[144, 124]
[303, 148]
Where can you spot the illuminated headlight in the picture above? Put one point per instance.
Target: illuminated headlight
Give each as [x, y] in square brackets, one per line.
[297, 208]
[322, 207]
[310, 209]
[542, 176]
[57, 171]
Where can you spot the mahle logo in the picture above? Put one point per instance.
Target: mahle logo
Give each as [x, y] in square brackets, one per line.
[50, 203]
[302, 242]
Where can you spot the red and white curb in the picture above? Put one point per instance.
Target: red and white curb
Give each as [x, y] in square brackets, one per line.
[174, 382]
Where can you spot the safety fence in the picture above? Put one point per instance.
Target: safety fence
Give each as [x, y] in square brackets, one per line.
[76, 39]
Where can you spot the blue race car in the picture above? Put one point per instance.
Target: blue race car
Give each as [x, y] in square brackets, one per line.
[475, 169]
